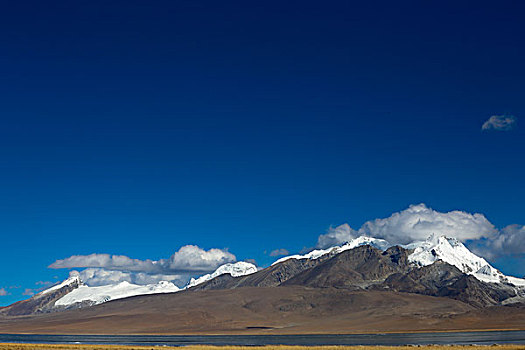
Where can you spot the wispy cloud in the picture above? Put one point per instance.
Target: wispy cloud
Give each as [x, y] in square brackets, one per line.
[32, 291]
[500, 123]
[29, 292]
[279, 252]
[3, 292]
[43, 283]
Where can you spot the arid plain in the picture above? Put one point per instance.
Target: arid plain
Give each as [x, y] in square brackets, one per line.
[281, 310]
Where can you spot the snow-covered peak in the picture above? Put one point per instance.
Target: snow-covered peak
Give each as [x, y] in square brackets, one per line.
[102, 294]
[356, 242]
[453, 252]
[74, 278]
[449, 250]
[237, 269]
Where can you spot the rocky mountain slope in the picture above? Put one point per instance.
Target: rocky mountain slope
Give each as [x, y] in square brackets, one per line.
[368, 268]
[439, 266]
[43, 301]
[73, 294]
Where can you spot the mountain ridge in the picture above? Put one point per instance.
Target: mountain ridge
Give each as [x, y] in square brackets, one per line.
[438, 266]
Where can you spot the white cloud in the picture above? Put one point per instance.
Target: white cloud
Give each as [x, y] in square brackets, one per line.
[100, 277]
[191, 258]
[336, 235]
[3, 292]
[417, 222]
[509, 241]
[279, 252]
[102, 269]
[117, 262]
[499, 123]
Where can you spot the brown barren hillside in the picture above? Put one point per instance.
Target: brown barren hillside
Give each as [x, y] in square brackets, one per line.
[273, 310]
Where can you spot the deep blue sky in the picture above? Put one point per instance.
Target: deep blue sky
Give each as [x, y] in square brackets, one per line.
[136, 127]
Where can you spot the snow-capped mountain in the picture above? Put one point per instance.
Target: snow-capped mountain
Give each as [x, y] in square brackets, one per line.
[237, 269]
[44, 301]
[362, 240]
[425, 253]
[73, 280]
[86, 296]
[418, 256]
[453, 252]
[101, 294]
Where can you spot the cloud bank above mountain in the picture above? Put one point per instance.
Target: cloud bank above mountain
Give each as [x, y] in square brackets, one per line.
[101, 269]
[417, 222]
[189, 258]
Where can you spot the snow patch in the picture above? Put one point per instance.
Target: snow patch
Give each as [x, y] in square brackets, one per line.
[74, 278]
[102, 294]
[453, 252]
[356, 242]
[237, 269]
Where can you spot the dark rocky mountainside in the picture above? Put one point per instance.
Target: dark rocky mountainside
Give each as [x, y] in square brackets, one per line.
[444, 280]
[272, 276]
[40, 303]
[358, 268]
[368, 268]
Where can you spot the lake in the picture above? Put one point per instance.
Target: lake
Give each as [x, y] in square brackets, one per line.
[486, 338]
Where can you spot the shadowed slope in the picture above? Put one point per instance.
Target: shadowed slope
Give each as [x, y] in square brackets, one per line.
[354, 269]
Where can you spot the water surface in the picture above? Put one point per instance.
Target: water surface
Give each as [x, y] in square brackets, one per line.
[486, 338]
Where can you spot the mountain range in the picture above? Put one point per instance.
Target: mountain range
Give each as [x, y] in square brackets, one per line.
[433, 284]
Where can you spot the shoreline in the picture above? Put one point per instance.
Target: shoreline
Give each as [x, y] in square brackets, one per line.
[262, 333]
